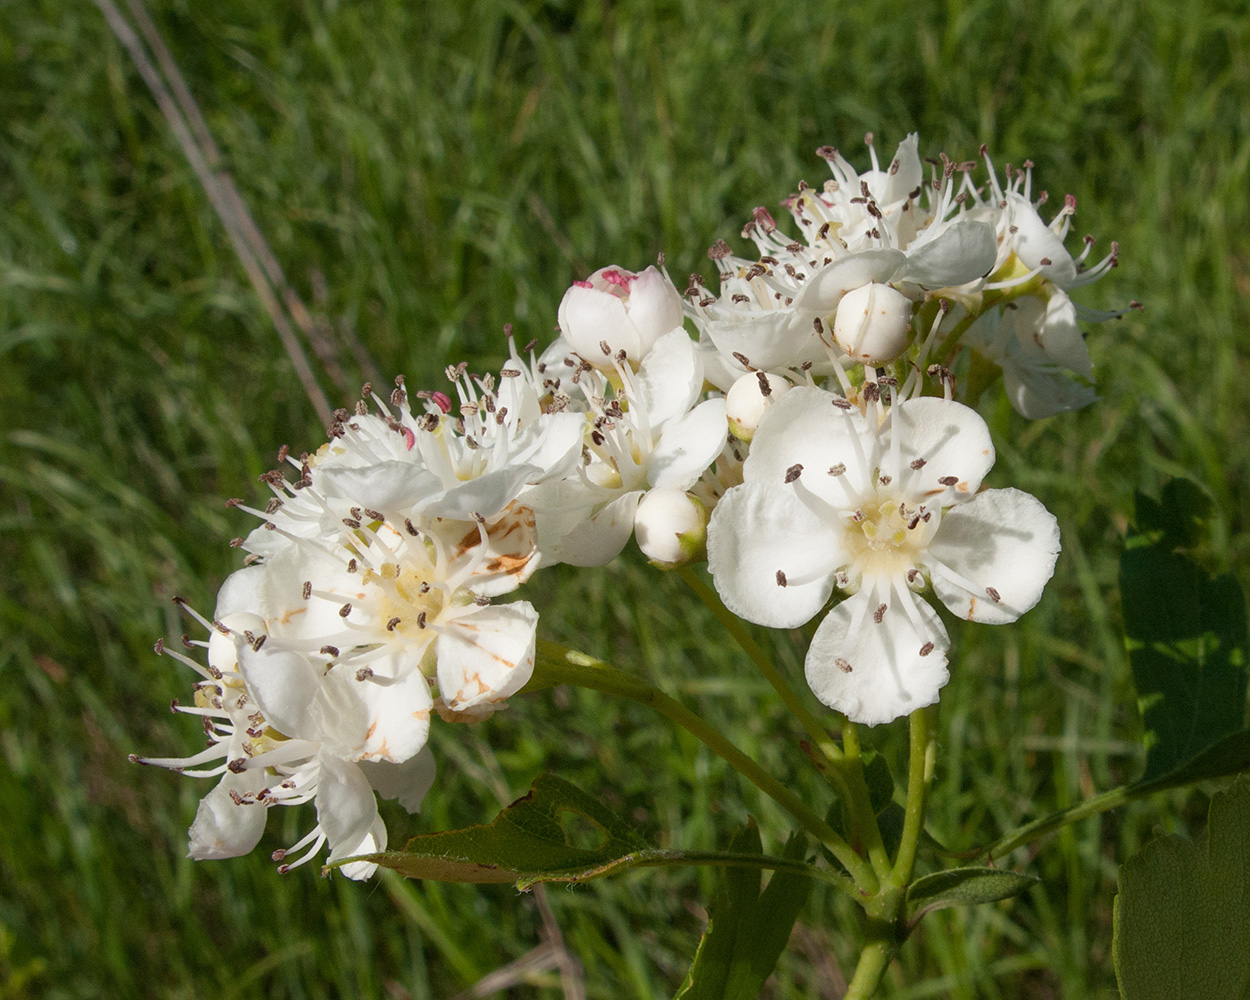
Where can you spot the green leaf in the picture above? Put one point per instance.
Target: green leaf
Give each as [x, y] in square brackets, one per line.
[1182, 916]
[1186, 634]
[747, 930]
[1228, 756]
[558, 833]
[965, 887]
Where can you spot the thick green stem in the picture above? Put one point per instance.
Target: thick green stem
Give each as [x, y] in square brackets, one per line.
[559, 665]
[873, 961]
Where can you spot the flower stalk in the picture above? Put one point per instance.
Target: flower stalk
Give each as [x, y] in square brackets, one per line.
[558, 664]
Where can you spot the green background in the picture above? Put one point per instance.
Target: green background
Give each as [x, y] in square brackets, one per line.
[426, 173]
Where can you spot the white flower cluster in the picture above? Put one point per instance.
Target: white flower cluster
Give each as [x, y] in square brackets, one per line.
[807, 442]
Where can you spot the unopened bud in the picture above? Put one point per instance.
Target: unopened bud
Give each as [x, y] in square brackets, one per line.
[616, 311]
[872, 323]
[223, 650]
[671, 527]
[748, 400]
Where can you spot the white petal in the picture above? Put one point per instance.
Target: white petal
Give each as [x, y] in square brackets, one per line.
[486, 494]
[689, 445]
[1003, 541]
[406, 783]
[957, 253]
[487, 656]
[950, 441]
[588, 317]
[771, 558]
[654, 307]
[384, 718]
[346, 808]
[283, 684]
[553, 444]
[1034, 242]
[1060, 338]
[599, 540]
[906, 172]
[240, 592]
[383, 486]
[888, 676]
[224, 829]
[670, 379]
[374, 842]
[805, 428]
[770, 340]
[822, 292]
[1036, 393]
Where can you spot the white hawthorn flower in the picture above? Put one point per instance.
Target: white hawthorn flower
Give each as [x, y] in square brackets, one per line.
[886, 227]
[277, 737]
[877, 507]
[615, 311]
[388, 606]
[653, 433]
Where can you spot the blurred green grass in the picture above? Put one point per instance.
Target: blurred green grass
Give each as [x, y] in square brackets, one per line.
[427, 173]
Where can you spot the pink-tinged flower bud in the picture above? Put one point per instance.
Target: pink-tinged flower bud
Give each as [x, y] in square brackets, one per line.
[749, 398]
[616, 310]
[872, 323]
[671, 527]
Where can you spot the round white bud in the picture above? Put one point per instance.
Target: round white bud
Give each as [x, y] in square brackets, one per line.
[617, 311]
[872, 323]
[223, 650]
[749, 398]
[671, 527]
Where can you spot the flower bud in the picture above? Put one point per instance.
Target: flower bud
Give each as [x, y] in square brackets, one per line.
[616, 310]
[671, 527]
[872, 323]
[223, 650]
[749, 398]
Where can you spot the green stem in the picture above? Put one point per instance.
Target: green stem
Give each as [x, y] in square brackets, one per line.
[864, 818]
[921, 758]
[845, 769]
[560, 665]
[887, 910]
[873, 961]
[1048, 824]
[816, 732]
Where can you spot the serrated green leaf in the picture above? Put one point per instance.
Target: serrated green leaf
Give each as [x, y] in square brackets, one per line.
[1228, 756]
[747, 930]
[555, 832]
[558, 833]
[966, 887]
[1182, 915]
[1186, 633]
